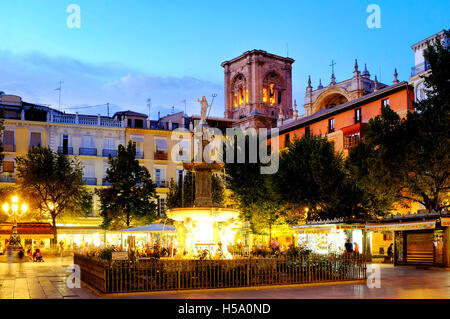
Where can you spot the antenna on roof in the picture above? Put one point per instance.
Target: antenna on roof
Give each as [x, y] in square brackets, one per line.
[59, 99]
[149, 105]
[107, 108]
[184, 101]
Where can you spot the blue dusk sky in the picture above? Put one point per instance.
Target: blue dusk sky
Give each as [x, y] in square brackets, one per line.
[127, 51]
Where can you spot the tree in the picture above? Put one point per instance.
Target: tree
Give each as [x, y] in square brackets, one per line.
[312, 182]
[409, 158]
[132, 193]
[53, 183]
[252, 191]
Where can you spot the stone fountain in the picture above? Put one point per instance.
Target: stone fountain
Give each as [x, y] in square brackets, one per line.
[203, 226]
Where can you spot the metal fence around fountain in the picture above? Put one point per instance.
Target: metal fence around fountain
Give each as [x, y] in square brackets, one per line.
[171, 274]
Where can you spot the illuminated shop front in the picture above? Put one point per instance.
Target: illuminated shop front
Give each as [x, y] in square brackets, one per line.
[418, 242]
[34, 235]
[328, 238]
[143, 236]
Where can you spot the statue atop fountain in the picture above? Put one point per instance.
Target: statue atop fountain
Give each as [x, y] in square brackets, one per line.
[198, 226]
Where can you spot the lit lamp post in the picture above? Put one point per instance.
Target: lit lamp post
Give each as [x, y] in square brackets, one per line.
[14, 211]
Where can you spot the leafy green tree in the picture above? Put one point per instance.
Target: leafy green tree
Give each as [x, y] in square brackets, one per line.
[132, 193]
[312, 181]
[252, 191]
[53, 183]
[409, 158]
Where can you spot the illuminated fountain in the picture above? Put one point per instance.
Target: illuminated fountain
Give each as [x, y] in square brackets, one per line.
[204, 226]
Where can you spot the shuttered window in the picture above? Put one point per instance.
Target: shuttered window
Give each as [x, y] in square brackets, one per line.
[8, 167]
[109, 144]
[35, 139]
[8, 137]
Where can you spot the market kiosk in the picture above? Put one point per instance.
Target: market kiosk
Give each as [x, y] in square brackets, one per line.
[419, 239]
[329, 238]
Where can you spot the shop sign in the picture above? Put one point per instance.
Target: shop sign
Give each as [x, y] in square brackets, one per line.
[402, 226]
[119, 255]
[313, 230]
[445, 221]
[350, 226]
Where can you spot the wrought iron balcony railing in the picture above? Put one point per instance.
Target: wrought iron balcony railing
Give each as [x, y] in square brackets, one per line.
[88, 151]
[9, 148]
[90, 180]
[161, 184]
[107, 153]
[65, 150]
[420, 68]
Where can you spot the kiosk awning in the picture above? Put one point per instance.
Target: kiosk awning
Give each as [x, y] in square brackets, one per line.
[147, 228]
[402, 226]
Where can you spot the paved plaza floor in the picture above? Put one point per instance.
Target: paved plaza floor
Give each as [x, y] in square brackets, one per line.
[48, 280]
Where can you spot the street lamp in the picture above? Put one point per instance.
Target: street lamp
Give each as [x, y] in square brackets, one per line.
[14, 211]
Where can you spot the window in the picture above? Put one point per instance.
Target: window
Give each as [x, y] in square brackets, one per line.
[179, 176]
[109, 143]
[308, 130]
[358, 115]
[160, 177]
[235, 100]
[287, 140]
[35, 139]
[65, 145]
[331, 125]
[161, 145]
[138, 123]
[265, 95]
[351, 140]
[130, 123]
[8, 141]
[241, 96]
[8, 167]
[89, 170]
[279, 97]
[87, 141]
[272, 94]
[246, 95]
[385, 103]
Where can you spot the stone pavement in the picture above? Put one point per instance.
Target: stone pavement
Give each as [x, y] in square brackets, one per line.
[38, 280]
[48, 280]
[396, 283]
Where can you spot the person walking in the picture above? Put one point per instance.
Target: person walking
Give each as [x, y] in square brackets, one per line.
[348, 246]
[390, 252]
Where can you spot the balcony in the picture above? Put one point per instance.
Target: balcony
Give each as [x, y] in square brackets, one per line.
[88, 151]
[161, 155]
[90, 120]
[420, 68]
[353, 134]
[160, 184]
[9, 148]
[8, 178]
[107, 153]
[90, 180]
[105, 182]
[65, 150]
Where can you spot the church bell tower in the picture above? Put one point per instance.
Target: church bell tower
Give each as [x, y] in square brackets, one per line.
[258, 89]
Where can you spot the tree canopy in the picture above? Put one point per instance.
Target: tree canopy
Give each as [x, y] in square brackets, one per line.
[132, 193]
[409, 158]
[53, 184]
